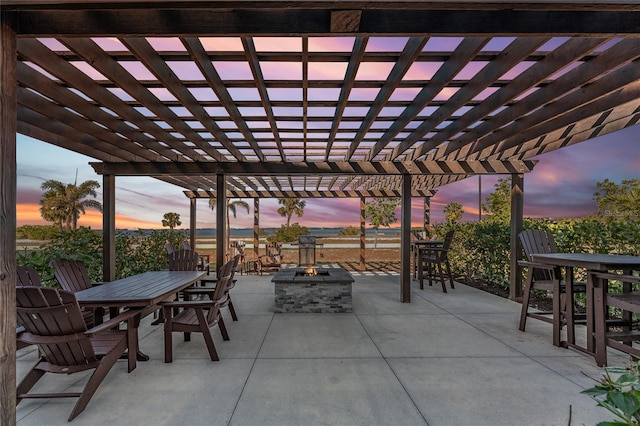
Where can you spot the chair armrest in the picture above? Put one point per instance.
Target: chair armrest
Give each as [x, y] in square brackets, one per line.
[439, 249]
[198, 290]
[111, 323]
[536, 265]
[190, 304]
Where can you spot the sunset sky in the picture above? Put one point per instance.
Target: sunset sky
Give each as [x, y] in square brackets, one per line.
[561, 185]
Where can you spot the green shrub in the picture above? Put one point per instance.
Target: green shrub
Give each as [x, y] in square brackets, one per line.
[135, 253]
[288, 234]
[349, 230]
[82, 244]
[37, 232]
[144, 250]
[620, 395]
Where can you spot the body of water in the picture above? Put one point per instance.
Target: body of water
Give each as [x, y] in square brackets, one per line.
[318, 232]
[248, 232]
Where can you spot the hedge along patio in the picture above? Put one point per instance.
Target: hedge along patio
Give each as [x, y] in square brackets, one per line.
[427, 93]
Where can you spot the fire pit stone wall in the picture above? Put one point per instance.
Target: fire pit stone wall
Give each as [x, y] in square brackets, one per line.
[328, 291]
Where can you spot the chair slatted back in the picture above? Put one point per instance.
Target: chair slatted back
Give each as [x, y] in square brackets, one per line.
[186, 245]
[446, 244]
[72, 275]
[53, 319]
[222, 289]
[183, 260]
[535, 241]
[273, 254]
[169, 247]
[273, 249]
[28, 277]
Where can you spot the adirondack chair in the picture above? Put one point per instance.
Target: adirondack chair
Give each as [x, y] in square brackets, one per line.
[229, 268]
[72, 275]
[238, 248]
[543, 277]
[183, 260]
[434, 261]
[272, 260]
[53, 320]
[27, 277]
[203, 259]
[196, 316]
[179, 260]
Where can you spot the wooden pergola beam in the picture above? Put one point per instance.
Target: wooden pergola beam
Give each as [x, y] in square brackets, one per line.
[313, 168]
[307, 194]
[287, 19]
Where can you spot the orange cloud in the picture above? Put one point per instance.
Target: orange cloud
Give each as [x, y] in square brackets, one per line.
[29, 214]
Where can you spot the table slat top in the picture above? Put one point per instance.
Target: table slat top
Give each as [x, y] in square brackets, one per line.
[593, 261]
[143, 289]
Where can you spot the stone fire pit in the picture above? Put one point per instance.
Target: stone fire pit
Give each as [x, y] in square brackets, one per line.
[328, 291]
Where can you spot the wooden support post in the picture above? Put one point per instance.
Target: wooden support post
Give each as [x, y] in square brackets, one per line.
[427, 217]
[363, 238]
[108, 228]
[256, 227]
[405, 240]
[517, 209]
[193, 222]
[8, 129]
[221, 222]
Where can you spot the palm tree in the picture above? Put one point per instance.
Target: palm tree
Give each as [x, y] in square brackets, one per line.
[63, 204]
[232, 207]
[171, 220]
[291, 206]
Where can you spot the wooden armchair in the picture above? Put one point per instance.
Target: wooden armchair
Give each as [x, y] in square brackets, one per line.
[52, 319]
[204, 263]
[272, 260]
[27, 277]
[196, 316]
[72, 275]
[229, 269]
[183, 260]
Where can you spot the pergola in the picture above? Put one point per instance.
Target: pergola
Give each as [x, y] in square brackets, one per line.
[299, 98]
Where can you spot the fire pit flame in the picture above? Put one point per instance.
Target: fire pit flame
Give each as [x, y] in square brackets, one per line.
[311, 271]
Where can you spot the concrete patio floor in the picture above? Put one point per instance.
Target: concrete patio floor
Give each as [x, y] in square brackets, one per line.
[444, 359]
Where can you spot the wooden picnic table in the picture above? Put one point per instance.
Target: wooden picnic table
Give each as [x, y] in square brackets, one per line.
[143, 292]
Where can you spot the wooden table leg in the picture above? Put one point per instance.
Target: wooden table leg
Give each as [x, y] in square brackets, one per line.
[557, 321]
[600, 311]
[591, 310]
[571, 331]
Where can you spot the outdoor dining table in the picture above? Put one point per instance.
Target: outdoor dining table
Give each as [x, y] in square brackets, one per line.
[592, 262]
[142, 292]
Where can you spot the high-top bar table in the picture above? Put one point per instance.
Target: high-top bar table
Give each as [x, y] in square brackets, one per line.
[592, 262]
